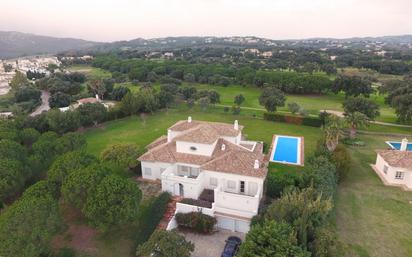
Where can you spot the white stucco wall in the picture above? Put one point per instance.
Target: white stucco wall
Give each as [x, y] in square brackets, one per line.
[201, 149]
[391, 173]
[223, 177]
[156, 169]
[192, 188]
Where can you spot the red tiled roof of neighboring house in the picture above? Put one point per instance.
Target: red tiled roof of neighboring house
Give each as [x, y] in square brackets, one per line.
[396, 158]
[161, 140]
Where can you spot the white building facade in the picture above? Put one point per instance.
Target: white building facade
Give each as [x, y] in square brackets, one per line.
[394, 167]
[199, 158]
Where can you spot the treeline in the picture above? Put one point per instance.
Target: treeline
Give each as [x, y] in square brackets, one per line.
[217, 74]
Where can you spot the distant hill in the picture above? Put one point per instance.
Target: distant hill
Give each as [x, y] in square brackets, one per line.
[15, 44]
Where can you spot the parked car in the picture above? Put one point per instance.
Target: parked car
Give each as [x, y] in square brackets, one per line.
[232, 246]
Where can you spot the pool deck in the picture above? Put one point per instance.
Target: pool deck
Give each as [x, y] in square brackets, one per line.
[302, 147]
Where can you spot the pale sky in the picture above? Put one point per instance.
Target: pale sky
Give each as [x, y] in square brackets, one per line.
[111, 20]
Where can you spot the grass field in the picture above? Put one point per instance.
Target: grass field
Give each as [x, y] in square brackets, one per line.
[90, 72]
[372, 219]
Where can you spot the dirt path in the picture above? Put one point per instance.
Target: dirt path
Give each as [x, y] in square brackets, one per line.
[44, 104]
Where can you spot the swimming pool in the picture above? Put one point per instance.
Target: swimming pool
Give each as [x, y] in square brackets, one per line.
[397, 145]
[287, 149]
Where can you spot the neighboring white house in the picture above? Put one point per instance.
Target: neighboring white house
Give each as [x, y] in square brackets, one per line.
[394, 167]
[198, 158]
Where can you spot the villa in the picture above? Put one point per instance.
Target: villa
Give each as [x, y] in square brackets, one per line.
[209, 162]
[394, 166]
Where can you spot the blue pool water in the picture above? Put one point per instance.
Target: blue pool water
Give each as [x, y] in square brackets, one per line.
[286, 150]
[397, 146]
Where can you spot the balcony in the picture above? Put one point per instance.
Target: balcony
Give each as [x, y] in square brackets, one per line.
[236, 204]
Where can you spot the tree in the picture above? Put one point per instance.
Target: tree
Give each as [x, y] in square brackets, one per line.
[8, 130]
[27, 93]
[356, 120]
[188, 92]
[320, 173]
[80, 183]
[28, 225]
[62, 122]
[12, 178]
[333, 131]
[91, 113]
[19, 80]
[352, 86]
[59, 100]
[130, 105]
[166, 99]
[304, 210]
[271, 98]
[293, 107]
[403, 107]
[204, 103]
[28, 136]
[149, 100]
[12, 150]
[115, 202]
[71, 141]
[96, 86]
[271, 239]
[68, 163]
[214, 97]
[166, 243]
[119, 92]
[239, 99]
[362, 105]
[125, 155]
[45, 148]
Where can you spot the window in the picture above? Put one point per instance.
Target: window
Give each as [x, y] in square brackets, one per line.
[231, 184]
[193, 148]
[242, 186]
[385, 169]
[213, 182]
[148, 171]
[399, 175]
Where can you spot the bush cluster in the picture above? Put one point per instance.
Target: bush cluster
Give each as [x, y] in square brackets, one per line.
[298, 120]
[196, 221]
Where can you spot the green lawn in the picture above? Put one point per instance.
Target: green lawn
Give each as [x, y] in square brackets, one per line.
[90, 72]
[373, 219]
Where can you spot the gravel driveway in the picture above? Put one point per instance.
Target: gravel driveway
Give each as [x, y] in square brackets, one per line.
[44, 104]
[210, 245]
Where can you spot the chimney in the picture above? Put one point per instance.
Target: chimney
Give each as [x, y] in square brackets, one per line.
[169, 136]
[256, 165]
[223, 147]
[236, 125]
[97, 97]
[404, 144]
[189, 119]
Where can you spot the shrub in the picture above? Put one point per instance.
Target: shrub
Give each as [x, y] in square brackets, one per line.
[312, 121]
[196, 221]
[151, 212]
[293, 107]
[342, 161]
[235, 110]
[277, 182]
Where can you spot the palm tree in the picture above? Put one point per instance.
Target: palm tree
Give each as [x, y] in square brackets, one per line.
[356, 120]
[333, 130]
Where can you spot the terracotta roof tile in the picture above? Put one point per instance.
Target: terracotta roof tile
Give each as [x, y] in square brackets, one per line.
[396, 158]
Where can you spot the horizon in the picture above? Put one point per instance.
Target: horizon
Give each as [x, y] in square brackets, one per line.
[110, 20]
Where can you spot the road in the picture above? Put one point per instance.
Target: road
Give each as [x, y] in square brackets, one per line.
[44, 104]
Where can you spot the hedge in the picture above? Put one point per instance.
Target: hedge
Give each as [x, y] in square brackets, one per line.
[196, 221]
[150, 215]
[298, 120]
